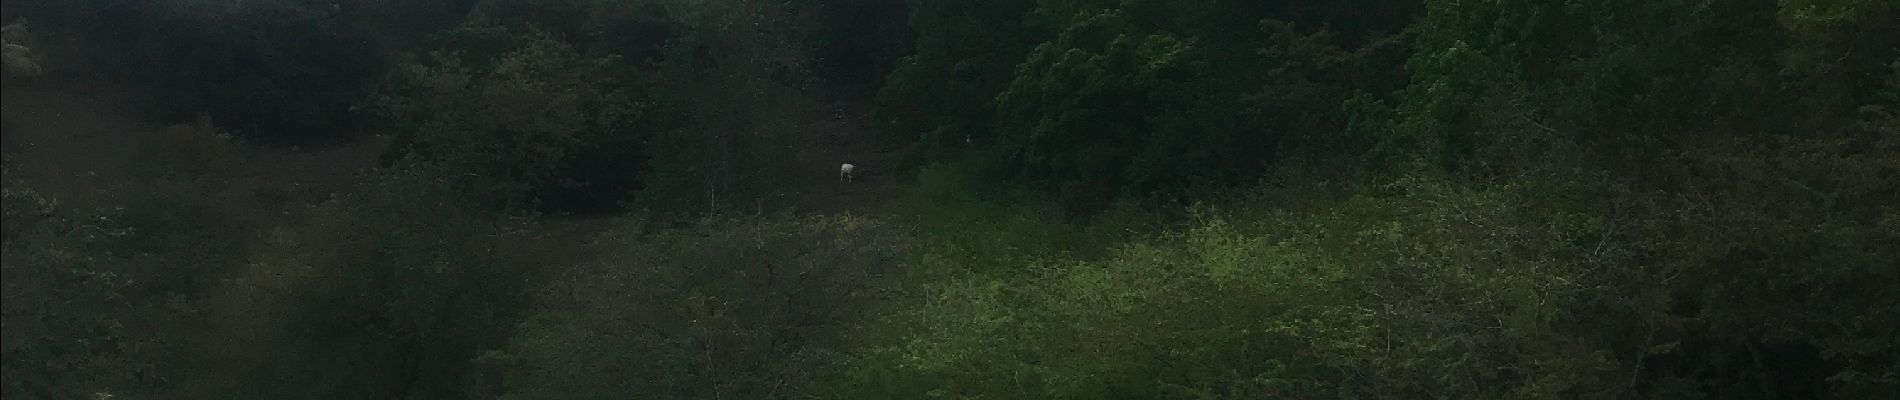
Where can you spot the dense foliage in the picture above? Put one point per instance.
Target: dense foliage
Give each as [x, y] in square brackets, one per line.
[725, 308]
[1061, 199]
[537, 122]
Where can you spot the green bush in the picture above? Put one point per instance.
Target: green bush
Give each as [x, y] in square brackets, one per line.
[748, 308]
[84, 314]
[411, 281]
[1449, 291]
[978, 223]
[1772, 253]
[1720, 223]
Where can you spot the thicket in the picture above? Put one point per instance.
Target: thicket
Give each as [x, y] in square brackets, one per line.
[112, 300]
[1594, 200]
[744, 308]
[1100, 199]
[1095, 100]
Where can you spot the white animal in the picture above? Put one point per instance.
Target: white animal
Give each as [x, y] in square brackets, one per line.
[844, 172]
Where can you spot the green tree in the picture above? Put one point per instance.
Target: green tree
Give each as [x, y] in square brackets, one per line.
[1681, 100]
[735, 89]
[67, 332]
[943, 92]
[1083, 110]
[1142, 97]
[534, 124]
[105, 302]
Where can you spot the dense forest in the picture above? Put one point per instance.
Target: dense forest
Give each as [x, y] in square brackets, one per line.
[1047, 199]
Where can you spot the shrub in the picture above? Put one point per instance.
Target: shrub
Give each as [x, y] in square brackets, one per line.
[725, 308]
[411, 282]
[983, 224]
[1439, 289]
[81, 316]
